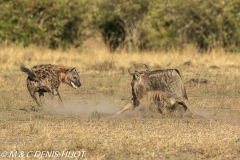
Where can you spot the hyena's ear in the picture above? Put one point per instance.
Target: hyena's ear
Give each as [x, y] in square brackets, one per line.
[71, 69]
[137, 75]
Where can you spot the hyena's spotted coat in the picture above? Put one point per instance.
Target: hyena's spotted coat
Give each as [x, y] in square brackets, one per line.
[47, 78]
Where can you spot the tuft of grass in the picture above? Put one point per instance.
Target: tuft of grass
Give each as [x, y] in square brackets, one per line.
[33, 129]
[95, 115]
[103, 66]
[7, 104]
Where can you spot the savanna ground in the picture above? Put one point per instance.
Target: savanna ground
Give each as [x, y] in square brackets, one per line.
[84, 123]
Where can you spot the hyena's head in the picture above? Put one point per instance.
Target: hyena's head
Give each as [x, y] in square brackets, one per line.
[72, 78]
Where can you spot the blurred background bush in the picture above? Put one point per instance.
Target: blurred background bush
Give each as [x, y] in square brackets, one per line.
[129, 25]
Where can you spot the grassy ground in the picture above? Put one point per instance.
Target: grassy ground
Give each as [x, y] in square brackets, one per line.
[84, 125]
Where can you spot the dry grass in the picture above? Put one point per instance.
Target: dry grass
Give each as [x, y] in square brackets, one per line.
[105, 80]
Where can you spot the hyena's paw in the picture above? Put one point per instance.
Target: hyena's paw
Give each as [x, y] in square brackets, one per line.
[25, 109]
[36, 109]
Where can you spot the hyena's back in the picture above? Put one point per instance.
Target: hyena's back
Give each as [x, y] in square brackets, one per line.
[30, 74]
[39, 78]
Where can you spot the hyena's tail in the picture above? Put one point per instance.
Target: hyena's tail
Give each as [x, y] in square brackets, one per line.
[30, 74]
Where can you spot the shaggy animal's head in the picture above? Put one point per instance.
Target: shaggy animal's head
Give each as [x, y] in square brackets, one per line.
[139, 85]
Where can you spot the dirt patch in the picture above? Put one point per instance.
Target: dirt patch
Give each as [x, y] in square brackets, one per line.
[205, 113]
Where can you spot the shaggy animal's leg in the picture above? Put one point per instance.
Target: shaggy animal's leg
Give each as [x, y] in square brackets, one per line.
[127, 106]
[161, 109]
[187, 104]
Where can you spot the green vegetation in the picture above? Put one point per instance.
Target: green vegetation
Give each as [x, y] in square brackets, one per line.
[132, 25]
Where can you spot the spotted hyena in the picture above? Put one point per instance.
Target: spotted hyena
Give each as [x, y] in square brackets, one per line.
[47, 78]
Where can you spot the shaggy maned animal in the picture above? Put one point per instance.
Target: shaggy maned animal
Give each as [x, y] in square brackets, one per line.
[168, 81]
[164, 102]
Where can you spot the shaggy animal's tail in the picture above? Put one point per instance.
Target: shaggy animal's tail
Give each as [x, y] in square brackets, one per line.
[186, 104]
[30, 74]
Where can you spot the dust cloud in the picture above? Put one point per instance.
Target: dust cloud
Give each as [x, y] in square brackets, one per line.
[76, 108]
[204, 113]
[105, 108]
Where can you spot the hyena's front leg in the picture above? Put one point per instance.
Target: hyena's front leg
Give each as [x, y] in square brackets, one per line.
[57, 96]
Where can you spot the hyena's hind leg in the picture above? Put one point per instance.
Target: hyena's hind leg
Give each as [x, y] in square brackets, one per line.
[33, 88]
[41, 96]
[35, 96]
[41, 93]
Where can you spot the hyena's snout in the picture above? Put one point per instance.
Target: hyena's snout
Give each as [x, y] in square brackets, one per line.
[76, 84]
